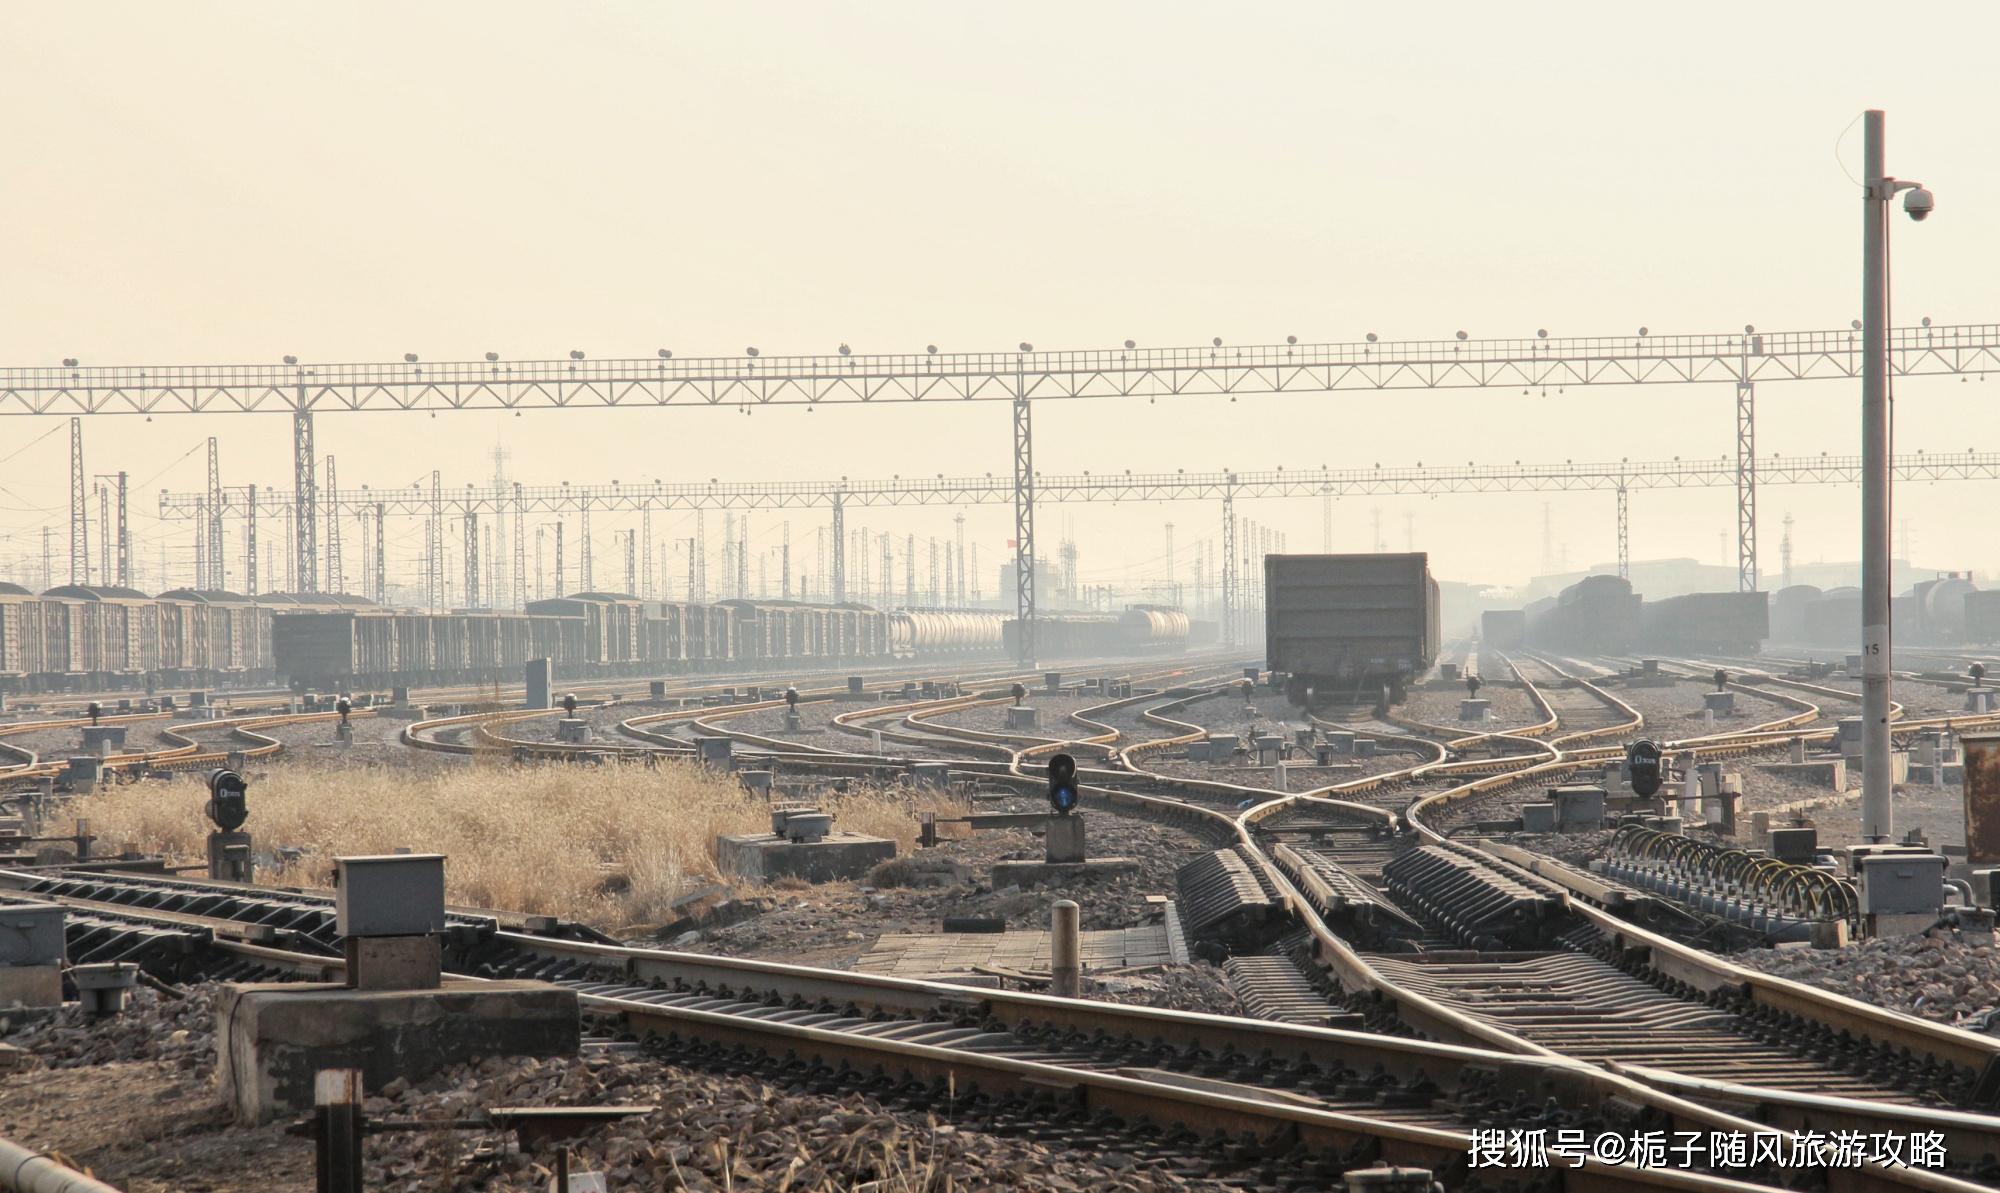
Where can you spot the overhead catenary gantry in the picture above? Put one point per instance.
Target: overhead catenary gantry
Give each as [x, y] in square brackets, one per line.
[1022, 377]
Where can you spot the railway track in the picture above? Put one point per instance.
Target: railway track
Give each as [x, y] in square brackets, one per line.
[1677, 1031]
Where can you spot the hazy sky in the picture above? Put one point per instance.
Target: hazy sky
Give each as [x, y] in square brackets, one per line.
[227, 183]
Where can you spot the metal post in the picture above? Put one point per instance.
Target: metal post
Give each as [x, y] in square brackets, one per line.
[560, 591]
[336, 579]
[631, 563]
[104, 533]
[305, 500]
[787, 561]
[218, 574]
[1746, 475]
[79, 509]
[1024, 513]
[1065, 949]
[1878, 822]
[646, 552]
[434, 561]
[250, 541]
[585, 581]
[381, 558]
[471, 525]
[1229, 564]
[700, 555]
[959, 521]
[839, 537]
[338, 1129]
[1624, 535]
[520, 553]
[910, 571]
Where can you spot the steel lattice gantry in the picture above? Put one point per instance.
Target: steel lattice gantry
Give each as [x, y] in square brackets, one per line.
[1738, 359]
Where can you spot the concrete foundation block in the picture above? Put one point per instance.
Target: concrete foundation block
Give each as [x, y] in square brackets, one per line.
[1364, 747]
[1538, 818]
[395, 962]
[83, 773]
[103, 739]
[273, 1039]
[1475, 711]
[1722, 704]
[1021, 717]
[1063, 839]
[1341, 740]
[835, 857]
[1025, 874]
[572, 729]
[1979, 700]
[930, 776]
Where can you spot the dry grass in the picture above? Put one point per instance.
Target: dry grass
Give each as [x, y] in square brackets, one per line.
[610, 846]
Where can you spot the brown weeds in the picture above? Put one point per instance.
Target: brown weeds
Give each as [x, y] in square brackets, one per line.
[610, 846]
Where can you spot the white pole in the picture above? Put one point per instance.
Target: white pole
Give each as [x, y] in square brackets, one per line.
[1878, 819]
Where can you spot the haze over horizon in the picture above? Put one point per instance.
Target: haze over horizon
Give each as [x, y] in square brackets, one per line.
[233, 183]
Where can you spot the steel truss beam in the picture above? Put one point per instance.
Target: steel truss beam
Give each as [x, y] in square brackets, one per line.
[1718, 472]
[992, 376]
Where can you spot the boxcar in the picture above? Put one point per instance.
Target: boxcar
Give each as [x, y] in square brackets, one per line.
[1349, 623]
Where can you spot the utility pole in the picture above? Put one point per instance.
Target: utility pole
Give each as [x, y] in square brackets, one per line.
[586, 581]
[1785, 552]
[104, 532]
[79, 509]
[336, 580]
[958, 521]
[1229, 565]
[470, 595]
[435, 560]
[540, 568]
[1024, 510]
[560, 591]
[520, 593]
[305, 498]
[218, 572]
[646, 564]
[1877, 810]
[250, 542]
[910, 570]
[381, 557]
[787, 560]
[700, 555]
[632, 562]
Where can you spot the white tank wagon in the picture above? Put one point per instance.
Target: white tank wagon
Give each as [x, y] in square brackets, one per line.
[931, 633]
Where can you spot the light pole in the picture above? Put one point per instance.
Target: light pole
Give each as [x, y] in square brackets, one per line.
[1878, 818]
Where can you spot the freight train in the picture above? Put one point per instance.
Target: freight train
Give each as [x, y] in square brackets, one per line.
[77, 638]
[1349, 625]
[1141, 629]
[1601, 615]
[1947, 610]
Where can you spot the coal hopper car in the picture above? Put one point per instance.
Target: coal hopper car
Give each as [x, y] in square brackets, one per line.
[1349, 625]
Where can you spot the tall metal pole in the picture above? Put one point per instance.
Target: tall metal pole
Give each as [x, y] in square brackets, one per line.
[470, 596]
[1624, 535]
[305, 499]
[218, 573]
[1746, 473]
[586, 582]
[646, 550]
[521, 553]
[1024, 512]
[559, 560]
[79, 509]
[787, 557]
[1229, 565]
[1878, 820]
[250, 541]
[336, 574]
[839, 539]
[434, 552]
[381, 558]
